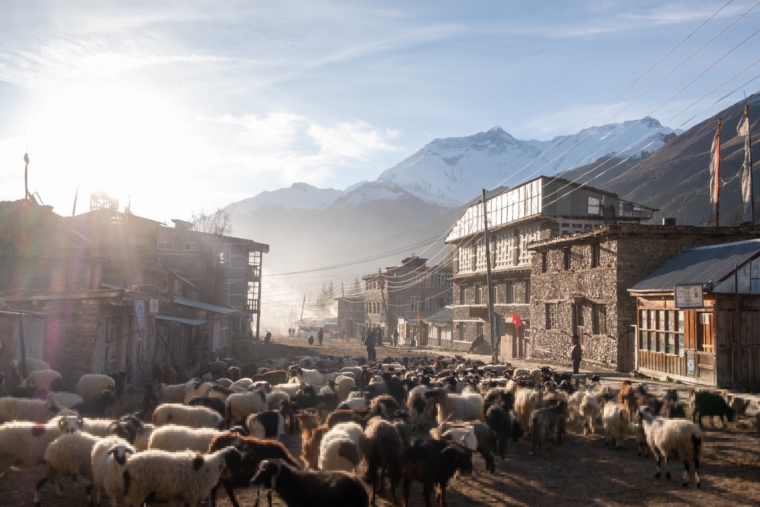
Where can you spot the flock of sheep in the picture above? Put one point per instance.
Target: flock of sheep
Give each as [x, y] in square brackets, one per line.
[397, 421]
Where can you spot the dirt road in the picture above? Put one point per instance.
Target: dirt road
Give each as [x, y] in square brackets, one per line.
[580, 472]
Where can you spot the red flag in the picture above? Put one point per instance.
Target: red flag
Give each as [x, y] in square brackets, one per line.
[516, 320]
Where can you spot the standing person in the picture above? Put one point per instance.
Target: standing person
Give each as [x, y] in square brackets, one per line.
[395, 337]
[267, 337]
[576, 353]
[379, 336]
[320, 335]
[311, 340]
[370, 343]
[363, 332]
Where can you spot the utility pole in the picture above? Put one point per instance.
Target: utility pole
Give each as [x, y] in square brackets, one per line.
[382, 294]
[492, 328]
[22, 344]
[342, 291]
[302, 307]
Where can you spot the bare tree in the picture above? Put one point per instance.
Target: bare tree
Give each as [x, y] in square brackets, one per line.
[218, 221]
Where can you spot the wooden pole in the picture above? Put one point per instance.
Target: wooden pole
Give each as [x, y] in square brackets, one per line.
[22, 344]
[303, 305]
[382, 295]
[494, 354]
[258, 304]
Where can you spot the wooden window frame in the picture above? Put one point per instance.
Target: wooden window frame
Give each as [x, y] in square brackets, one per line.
[654, 333]
[595, 255]
[566, 254]
[550, 311]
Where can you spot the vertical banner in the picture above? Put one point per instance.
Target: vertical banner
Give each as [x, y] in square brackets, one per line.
[748, 217]
[715, 177]
[140, 314]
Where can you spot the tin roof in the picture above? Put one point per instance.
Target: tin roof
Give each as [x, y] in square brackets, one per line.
[707, 266]
[445, 314]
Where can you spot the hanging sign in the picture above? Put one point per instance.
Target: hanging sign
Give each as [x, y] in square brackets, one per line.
[140, 314]
[689, 296]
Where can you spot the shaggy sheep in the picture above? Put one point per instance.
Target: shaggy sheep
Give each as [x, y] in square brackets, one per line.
[173, 393]
[315, 489]
[269, 424]
[193, 417]
[421, 409]
[254, 451]
[547, 422]
[589, 411]
[66, 400]
[277, 400]
[173, 438]
[615, 419]
[109, 457]
[90, 385]
[244, 383]
[48, 380]
[311, 377]
[291, 389]
[23, 444]
[527, 400]
[214, 404]
[32, 364]
[434, 463]
[98, 427]
[341, 448]
[505, 426]
[21, 409]
[383, 449]
[241, 405]
[673, 436]
[68, 456]
[344, 384]
[274, 377]
[175, 476]
[457, 407]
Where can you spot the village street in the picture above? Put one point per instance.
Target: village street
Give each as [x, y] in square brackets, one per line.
[583, 471]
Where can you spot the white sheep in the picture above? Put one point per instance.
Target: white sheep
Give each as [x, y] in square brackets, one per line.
[457, 407]
[245, 383]
[291, 389]
[98, 427]
[193, 417]
[341, 447]
[325, 390]
[312, 377]
[23, 444]
[261, 385]
[348, 362]
[223, 382]
[197, 389]
[219, 367]
[22, 409]
[419, 406]
[109, 457]
[180, 438]
[344, 384]
[589, 410]
[42, 379]
[175, 476]
[354, 403]
[615, 420]
[172, 393]
[32, 364]
[462, 434]
[91, 385]
[66, 400]
[677, 437]
[241, 405]
[276, 400]
[68, 456]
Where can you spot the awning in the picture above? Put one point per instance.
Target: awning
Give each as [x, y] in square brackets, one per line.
[204, 306]
[189, 322]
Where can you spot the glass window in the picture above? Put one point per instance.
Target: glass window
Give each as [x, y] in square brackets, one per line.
[680, 350]
[661, 320]
[643, 319]
[680, 321]
[671, 344]
[643, 337]
[594, 205]
[651, 343]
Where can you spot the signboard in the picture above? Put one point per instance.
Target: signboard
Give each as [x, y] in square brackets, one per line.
[383, 318]
[691, 367]
[689, 296]
[153, 306]
[140, 313]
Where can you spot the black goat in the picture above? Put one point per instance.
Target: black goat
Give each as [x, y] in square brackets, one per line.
[505, 426]
[434, 463]
[212, 403]
[383, 450]
[98, 407]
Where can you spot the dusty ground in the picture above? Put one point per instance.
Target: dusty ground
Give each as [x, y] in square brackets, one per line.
[580, 472]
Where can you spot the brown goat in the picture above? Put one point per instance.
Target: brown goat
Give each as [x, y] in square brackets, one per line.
[233, 373]
[627, 397]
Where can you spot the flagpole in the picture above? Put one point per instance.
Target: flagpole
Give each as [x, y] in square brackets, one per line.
[747, 183]
[715, 178]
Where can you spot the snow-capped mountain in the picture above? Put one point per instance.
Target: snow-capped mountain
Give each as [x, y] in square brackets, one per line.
[449, 172]
[297, 196]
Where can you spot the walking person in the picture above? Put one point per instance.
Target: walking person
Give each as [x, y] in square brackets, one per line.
[369, 342]
[576, 353]
[395, 337]
[320, 335]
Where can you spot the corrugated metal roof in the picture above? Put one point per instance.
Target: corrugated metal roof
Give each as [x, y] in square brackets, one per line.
[204, 306]
[189, 322]
[705, 266]
[445, 314]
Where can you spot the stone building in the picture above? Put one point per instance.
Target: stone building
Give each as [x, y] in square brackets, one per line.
[537, 210]
[351, 316]
[580, 285]
[402, 295]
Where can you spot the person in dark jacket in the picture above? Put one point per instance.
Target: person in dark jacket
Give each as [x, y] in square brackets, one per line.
[320, 336]
[369, 342]
[311, 340]
[395, 337]
[576, 353]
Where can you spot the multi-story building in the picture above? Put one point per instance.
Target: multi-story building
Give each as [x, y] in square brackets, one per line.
[351, 315]
[537, 210]
[581, 284]
[402, 295]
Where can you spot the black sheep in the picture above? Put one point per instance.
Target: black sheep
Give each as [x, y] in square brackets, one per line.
[707, 404]
[383, 450]
[248, 371]
[434, 463]
[505, 426]
[395, 387]
[98, 407]
[316, 489]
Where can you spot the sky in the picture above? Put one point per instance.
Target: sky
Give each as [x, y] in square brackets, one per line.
[177, 105]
